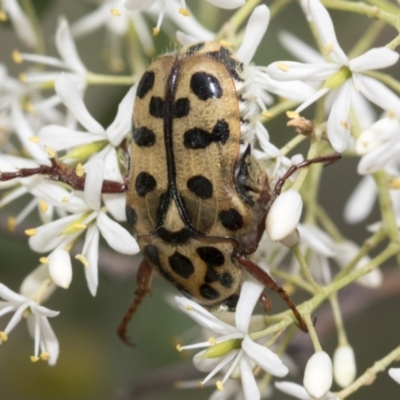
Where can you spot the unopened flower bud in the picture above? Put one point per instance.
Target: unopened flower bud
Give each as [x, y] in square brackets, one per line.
[394, 373]
[60, 268]
[284, 215]
[318, 375]
[344, 365]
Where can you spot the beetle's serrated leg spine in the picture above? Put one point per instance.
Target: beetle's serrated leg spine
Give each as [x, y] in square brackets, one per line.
[143, 280]
[263, 277]
[58, 171]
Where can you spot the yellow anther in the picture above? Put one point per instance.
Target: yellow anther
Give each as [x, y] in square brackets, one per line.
[345, 124]
[283, 67]
[328, 49]
[45, 356]
[189, 307]
[31, 232]
[65, 199]
[30, 108]
[43, 206]
[3, 336]
[267, 114]
[16, 56]
[289, 288]
[50, 152]
[212, 340]
[11, 224]
[22, 77]
[34, 359]
[292, 114]
[83, 260]
[79, 170]
[34, 139]
[3, 16]
[79, 226]
[178, 347]
[184, 12]
[115, 12]
[201, 385]
[395, 184]
[156, 31]
[225, 43]
[44, 260]
[220, 386]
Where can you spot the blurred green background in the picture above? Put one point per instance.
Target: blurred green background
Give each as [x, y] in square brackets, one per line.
[93, 363]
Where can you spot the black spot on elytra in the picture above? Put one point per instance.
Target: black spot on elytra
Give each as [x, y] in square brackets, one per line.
[208, 292]
[197, 138]
[178, 237]
[231, 219]
[163, 207]
[143, 136]
[131, 215]
[194, 48]
[231, 302]
[226, 280]
[225, 56]
[220, 132]
[144, 183]
[151, 253]
[205, 86]
[211, 256]
[181, 108]
[157, 107]
[211, 275]
[200, 186]
[145, 84]
[181, 265]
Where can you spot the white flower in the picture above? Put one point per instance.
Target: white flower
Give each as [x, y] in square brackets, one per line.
[21, 24]
[298, 391]
[394, 373]
[344, 365]
[343, 76]
[245, 353]
[284, 215]
[46, 344]
[318, 375]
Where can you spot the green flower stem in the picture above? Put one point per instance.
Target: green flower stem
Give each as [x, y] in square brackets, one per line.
[386, 206]
[370, 374]
[98, 79]
[284, 319]
[304, 269]
[388, 80]
[279, 109]
[364, 9]
[394, 43]
[328, 224]
[310, 193]
[277, 6]
[385, 5]
[368, 245]
[312, 332]
[367, 39]
[293, 279]
[289, 146]
[337, 316]
[32, 16]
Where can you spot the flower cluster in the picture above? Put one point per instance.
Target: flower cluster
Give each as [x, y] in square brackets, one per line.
[70, 173]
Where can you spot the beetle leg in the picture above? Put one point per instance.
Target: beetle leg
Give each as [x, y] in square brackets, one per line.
[327, 160]
[58, 171]
[265, 302]
[263, 277]
[143, 280]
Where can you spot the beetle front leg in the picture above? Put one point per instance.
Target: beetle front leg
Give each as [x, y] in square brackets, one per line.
[143, 280]
[263, 277]
[58, 171]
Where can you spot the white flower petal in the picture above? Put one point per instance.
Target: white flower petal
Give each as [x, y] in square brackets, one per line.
[394, 373]
[34, 281]
[91, 252]
[185, 39]
[344, 365]
[295, 71]
[376, 58]
[284, 215]
[93, 183]
[249, 384]
[318, 94]
[338, 127]
[249, 294]
[139, 5]
[71, 97]
[50, 340]
[377, 93]
[228, 4]
[326, 30]
[60, 268]
[293, 389]
[92, 21]
[378, 158]
[121, 125]
[66, 47]
[255, 30]
[317, 240]
[361, 201]
[301, 50]
[264, 357]
[116, 236]
[318, 375]
[9, 295]
[203, 317]
[366, 114]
